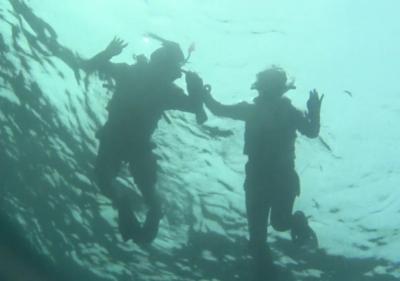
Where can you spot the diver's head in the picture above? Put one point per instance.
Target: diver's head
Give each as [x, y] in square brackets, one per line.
[167, 61]
[272, 82]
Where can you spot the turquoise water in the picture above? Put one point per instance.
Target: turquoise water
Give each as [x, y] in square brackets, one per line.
[51, 109]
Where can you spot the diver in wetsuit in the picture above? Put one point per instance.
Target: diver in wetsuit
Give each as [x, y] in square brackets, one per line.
[272, 183]
[143, 92]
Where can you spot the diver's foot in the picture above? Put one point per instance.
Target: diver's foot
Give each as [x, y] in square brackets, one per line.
[302, 234]
[128, 224]
[150, 228]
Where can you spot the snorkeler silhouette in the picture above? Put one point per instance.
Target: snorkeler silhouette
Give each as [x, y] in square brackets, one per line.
[272, 183]
[143, 91]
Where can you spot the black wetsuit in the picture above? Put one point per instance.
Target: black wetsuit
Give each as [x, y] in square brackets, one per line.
[271, 183]
[134, 111]
[138, 104]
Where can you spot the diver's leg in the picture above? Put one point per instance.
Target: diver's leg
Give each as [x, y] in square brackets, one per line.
[258, 208]
[257, 216]
[286, 186]
[106, 169]
[282, 217]
[301, 232]
[108, 163]
[144, 171]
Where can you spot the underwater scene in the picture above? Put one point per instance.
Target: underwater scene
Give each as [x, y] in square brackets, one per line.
[167, 140]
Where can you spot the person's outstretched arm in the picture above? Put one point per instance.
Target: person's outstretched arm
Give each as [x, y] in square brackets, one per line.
[101, 61]
[198, 93]
[239, 111]
[193, 102]
[309, 124]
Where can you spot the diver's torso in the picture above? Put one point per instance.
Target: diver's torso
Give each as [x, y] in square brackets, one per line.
[136, 107]
[270, 135]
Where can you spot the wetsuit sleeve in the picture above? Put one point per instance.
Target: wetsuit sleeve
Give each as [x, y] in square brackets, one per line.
[101, 62]
[238, 111]
[307, 124]
[178, 100]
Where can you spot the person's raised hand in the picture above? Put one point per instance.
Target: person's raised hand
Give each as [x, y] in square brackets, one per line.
[314, 102]
[115, 47]
[193, 82]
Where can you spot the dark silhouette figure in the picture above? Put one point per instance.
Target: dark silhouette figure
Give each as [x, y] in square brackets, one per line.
[272, 183]
[143, 91]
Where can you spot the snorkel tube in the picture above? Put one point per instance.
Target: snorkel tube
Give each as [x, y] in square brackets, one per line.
[176, 55]
[171, 44]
